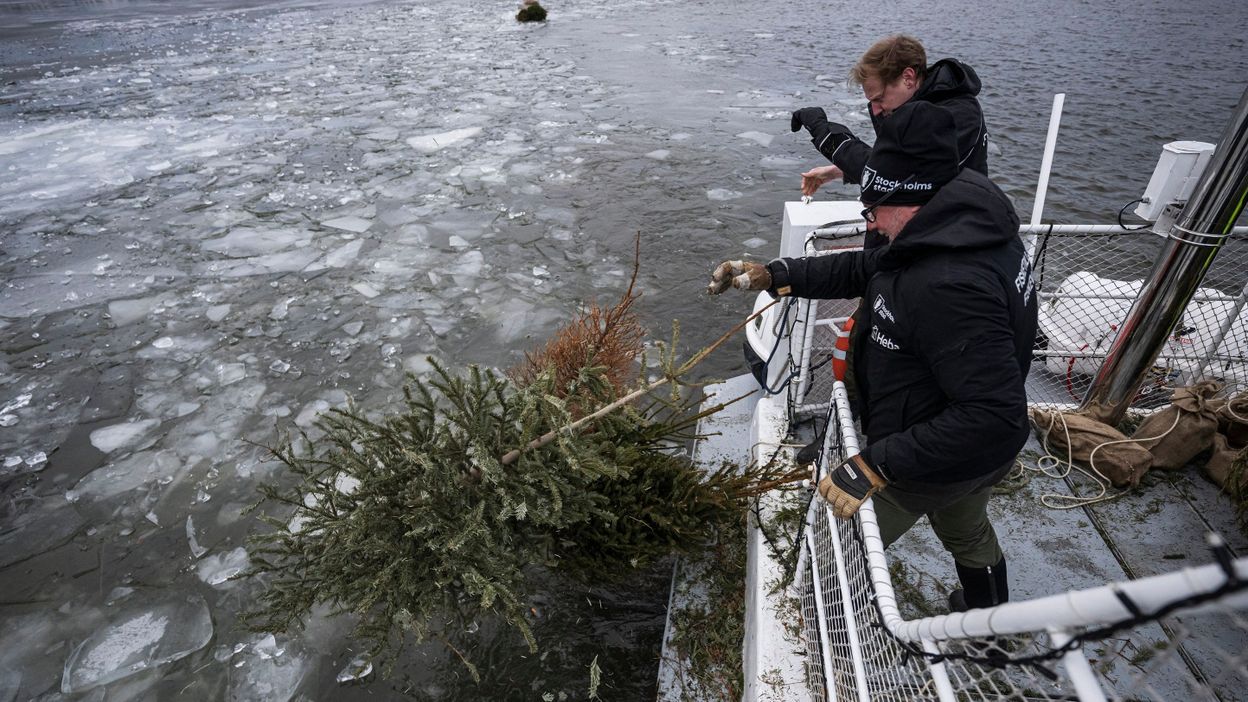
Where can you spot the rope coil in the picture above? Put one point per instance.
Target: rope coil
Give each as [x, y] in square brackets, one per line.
[1049, 465]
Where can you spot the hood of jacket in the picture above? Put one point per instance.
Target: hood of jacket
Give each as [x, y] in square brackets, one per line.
[948, 78]
[969, 212]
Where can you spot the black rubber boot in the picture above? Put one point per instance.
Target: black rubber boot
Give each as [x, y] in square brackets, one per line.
[981, 587]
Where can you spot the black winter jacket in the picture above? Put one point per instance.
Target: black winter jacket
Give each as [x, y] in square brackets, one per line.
[951, 84]
[944, 337]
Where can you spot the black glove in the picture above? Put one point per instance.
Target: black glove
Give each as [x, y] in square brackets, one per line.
[825, 135]
[808, 117]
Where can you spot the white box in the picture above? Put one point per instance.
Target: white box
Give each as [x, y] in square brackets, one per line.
[1175, 177]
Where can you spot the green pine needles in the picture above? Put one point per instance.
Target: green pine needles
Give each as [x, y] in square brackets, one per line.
[412, 523]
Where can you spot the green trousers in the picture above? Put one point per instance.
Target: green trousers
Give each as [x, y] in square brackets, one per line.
[958, 514]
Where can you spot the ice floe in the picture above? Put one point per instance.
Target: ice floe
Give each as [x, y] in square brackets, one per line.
[757, 137]
[267, 670]
[722, 194]
[137, 641]
[196, 550]
[246, 242]
[127, 475]
[358, 668]
[126, 312]
[429, 143]
[125, 435]
[217, 570]
[357, 225]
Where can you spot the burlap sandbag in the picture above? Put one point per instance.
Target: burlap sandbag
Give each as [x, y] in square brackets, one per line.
[1220, 465]
[1233, 419]
[1121, 460]
[1177, 433]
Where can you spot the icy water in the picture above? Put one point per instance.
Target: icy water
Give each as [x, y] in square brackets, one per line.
[220, 217]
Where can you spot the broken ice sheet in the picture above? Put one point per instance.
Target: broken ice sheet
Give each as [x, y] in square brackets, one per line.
[281, 309]
[139, 640]
[247, 242]
[129, 311]
[217, 313]
[111, 438]
[217, 570]
[38, 527]
[196, 550]
[266, 647]
[230, 373]
[429, 143]
[366, 290]
[132, 473]
[359, 668]
[16, 403]
[357, 225]
[267, 671]
[342, 256]
[757, 137]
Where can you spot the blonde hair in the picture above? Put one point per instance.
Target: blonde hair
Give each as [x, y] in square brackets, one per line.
[888, 58]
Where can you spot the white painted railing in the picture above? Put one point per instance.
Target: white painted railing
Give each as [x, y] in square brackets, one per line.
[1029, 650]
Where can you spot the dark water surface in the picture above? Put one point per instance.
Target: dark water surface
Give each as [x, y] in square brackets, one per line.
[174, 258]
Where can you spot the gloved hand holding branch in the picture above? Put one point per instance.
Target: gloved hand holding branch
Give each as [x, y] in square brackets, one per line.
[742, 275]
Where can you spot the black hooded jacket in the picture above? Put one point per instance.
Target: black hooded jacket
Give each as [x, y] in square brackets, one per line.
[944, 337]
[952, 85]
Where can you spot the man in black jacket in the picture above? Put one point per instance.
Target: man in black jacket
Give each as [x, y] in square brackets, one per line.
[894, 72]
[946, 333]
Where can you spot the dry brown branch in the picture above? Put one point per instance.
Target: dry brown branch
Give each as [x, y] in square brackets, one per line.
[609, 338]
[511, 456]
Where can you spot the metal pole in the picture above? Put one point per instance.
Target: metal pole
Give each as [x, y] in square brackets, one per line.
[1082, 678]
[944, 689]
[847, 606]
[1046, 163]
[1225, 327]
[1202, 227]
[825, 642]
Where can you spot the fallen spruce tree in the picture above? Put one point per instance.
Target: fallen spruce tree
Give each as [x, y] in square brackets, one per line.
[415, 522]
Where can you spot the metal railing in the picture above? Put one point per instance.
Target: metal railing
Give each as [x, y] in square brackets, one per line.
[861, 648]
[1087, 277]
[859, 645]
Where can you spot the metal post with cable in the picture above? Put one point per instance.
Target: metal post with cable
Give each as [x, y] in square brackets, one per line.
[1202, 228]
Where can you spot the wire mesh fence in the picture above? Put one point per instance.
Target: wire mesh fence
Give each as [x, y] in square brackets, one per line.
[1087, 278]
[1182, 636]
